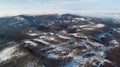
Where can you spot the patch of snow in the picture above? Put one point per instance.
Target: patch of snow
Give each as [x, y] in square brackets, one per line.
[105, 60]
[114, 42]
[99, 25]
[74, 34]
[84, 42]
[19, 18]
[118, 30]
[92, 26]
[99, 65]
[102, 60]
[33, 34]
[97, 44]
[79, 19]
[64, 37]
[51, 33]
[78, 35]
[81, 26]
[101, 53]
[82, 19]
[42, 37]
[66, 21]
[8, 53]
[52, 38]
[42, 41]
[63, 32]
[30, 43]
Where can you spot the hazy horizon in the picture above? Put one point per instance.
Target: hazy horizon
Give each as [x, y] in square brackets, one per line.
[35, 7]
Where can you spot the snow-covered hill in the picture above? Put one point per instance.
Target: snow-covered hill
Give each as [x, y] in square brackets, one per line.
[57, 41]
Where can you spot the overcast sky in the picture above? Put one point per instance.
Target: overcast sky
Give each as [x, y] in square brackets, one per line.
[15, 7]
